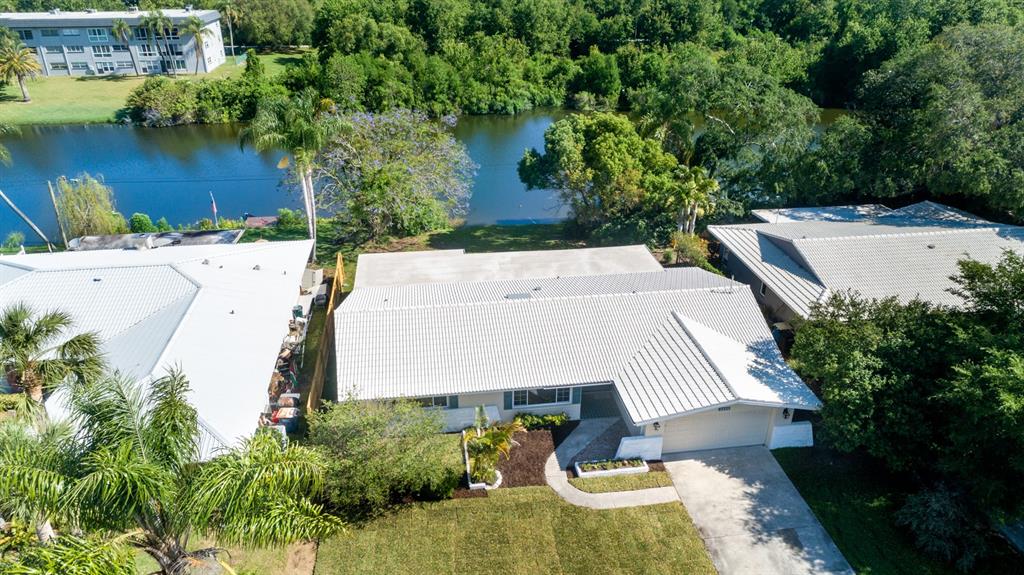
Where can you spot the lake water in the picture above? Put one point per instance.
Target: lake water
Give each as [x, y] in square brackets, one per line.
[170, 172]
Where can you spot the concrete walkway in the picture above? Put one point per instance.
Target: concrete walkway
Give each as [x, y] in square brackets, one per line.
[750, 515]
[588, 431]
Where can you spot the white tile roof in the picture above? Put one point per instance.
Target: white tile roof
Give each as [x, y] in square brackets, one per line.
[447, 266]
[908, 253]
[204, 308]
[445, 339]
[829, 213]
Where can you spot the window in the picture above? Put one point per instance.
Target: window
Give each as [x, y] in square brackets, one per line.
[97, 34]
[147, 51]
[151, 67]
[101, 51]
[179, 64]
[123, 65]
[52, 49]
[79, 65]
[141, 34]
[55, 66]
[541, 396]
[120, 47]
[764, 289]
[104, 67]
[171, 34]
[25, 34]
[437, 401]
[49, 33]
[74, 49]
[71, 32]
[174, 49]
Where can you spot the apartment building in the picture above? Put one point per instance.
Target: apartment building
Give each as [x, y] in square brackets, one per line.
[82, 43]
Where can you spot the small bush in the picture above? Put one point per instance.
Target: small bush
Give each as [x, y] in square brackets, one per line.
[532, 421]
[692, 250]
[290, 219]
[141, 224]
[9, 401]
[14, 240]
[945, 526]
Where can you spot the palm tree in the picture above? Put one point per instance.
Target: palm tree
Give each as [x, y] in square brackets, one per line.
[197, 29]
[18, 61]
[302, 125]
[159, 26]
[37, 354]
[692, 191]
[7, 130]
[227, 8]
[123, 32]
[133, 465]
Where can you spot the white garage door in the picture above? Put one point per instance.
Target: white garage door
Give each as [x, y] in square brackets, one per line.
[740, 425]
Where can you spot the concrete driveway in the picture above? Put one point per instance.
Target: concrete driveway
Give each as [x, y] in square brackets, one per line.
[750, 515]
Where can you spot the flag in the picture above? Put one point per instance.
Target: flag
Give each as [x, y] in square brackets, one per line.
[213, 206]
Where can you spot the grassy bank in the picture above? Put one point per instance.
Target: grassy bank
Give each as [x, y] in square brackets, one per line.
[525, 530]
[855, 502]
[97, 99]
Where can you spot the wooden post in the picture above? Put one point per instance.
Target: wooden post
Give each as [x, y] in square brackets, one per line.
[31, 224]
[56, 211]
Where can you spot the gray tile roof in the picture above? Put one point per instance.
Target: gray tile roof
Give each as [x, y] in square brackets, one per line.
[908, 253]
[446, 339]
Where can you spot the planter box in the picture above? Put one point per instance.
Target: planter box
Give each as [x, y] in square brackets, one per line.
[487, 486]
[606, 472]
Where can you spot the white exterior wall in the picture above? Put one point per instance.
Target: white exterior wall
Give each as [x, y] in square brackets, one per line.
[713, 429]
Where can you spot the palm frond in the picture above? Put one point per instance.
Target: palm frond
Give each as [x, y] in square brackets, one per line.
[118, 486]
[171, 426]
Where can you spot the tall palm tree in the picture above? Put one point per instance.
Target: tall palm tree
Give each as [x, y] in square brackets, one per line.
[18, 61]
[197, 29]
[230, 13]
[159, 26]
[302, 125]
[37, 353]
[7, 130]
[123, 32]
[133, 465]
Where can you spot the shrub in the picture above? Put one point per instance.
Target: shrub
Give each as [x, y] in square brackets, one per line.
[14, 240]
[140, 224]
[9, 401]
[290, 220]
[163, 226]
[944, 525]
[531, 421]
[692, 250]
[383, 450]
[486, 444]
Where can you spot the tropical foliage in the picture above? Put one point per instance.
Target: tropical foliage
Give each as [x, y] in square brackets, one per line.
[18, 62]
[381, 451]
[934, 393]
[134, 467]
[86, 207]
[486, 443]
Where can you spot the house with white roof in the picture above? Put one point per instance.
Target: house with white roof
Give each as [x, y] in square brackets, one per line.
[686, 354]
[797, 257]
[219, 312]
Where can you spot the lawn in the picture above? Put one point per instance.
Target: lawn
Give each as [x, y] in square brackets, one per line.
[854, 502]
[632, 482]
[295, 559]
[96, 99]
[526, 530]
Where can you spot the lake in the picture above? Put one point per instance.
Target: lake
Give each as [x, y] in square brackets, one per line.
[170, 172]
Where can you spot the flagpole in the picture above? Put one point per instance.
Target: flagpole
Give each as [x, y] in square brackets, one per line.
[213, 206]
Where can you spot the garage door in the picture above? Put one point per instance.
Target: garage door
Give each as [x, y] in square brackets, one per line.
[740, 425]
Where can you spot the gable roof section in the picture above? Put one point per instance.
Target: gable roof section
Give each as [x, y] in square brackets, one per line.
[908, 253]
[448, 339]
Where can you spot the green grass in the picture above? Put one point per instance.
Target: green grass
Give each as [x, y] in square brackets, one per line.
[854, 502]
[97, 99]
[526, 530]
[632, 482]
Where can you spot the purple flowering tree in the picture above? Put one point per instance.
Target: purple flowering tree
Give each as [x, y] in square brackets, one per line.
[396, 173]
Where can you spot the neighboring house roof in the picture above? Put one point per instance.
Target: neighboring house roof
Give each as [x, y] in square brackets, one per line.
[155, 240]
[206, 308]
[657, 335]
[909, 253]
[446, 266]
[823, 214]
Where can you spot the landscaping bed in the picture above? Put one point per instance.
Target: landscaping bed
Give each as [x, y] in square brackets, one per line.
[525, 466]
[631, 482]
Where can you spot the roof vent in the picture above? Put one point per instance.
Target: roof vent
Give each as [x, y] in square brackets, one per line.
[97, 279]
[206, 262]
[256, 267]
[536, 288]
[518, 296]
[931, 246]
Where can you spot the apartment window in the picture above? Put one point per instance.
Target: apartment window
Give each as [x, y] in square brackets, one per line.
[71, 32]
[140, 33]
[97, 34]
[25, 34]
[74, 49]
[179, 64]
[104, 67]
[174, 50]
[440, 401]
[528, 397]
[49, 33]
[59, 66]
[52, 49]
[120, 47]
[171, 34]
[101, 51]
[147, 51]
[79, 65]
[123, 65]
[764, 289]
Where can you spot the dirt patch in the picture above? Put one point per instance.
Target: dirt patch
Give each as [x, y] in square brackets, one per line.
[301, 559]
[525, 466]
[656, 466]
[463, 493]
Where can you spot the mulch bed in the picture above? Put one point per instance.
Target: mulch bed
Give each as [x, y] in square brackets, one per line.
[464, 493]
[525, 467]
